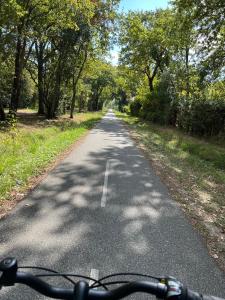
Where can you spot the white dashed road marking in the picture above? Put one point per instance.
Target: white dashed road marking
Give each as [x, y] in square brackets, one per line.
[95, 275]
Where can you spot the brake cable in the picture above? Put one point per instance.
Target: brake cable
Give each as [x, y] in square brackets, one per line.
[126, 274]
[64, 275]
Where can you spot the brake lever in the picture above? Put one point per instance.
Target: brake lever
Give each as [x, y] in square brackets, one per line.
[8, 269]
[175, 289]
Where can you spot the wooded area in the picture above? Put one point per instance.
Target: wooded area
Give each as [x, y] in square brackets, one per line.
[46, 46]
[171, 61]
[177, 57]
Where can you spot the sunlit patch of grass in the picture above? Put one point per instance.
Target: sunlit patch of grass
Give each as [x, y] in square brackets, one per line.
[24, 152]
[27, 110]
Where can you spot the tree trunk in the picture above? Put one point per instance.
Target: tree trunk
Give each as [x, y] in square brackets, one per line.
[75, 81]
[2, 112]
[95, 99]
[73, 97]
[40, 60]
[57, 87]
[95, 102]
[150, 83]
[187, 71]
[20, 60]
[41, 108]
[52, 102]
[81, 101]
[152, 76]
[16, 89]
[64, 107]
[49, 113]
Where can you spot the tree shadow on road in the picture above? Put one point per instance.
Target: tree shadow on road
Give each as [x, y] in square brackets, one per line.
[62, 224]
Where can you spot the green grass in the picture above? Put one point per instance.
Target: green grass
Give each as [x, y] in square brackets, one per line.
[195, 167]
[26, 151]
[181, 145]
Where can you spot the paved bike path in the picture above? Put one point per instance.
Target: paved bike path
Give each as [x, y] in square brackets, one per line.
[103, 208]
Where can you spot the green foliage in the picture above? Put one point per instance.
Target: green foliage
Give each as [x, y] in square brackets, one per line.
[53, 40]
[156, 105]
[196, 115]
[126, 109]
[180, 52]
[135, 107]
[201, 116]
[99, 77]
[171, 60]
[25, 153]
[146, 39]
[182, 146]
[209, 18]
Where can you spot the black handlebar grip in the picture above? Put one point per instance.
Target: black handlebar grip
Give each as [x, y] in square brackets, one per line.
[8, 269]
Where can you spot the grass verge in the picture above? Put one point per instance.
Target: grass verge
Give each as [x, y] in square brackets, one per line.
[194, 172]
[34, 143]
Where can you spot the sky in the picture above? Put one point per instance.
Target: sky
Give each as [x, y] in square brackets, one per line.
[126, 5]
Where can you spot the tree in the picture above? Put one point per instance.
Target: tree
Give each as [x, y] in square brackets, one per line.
[58, 38]
[181, 52]
[99, 75]
[208, 18]
[52, 40]
[145, 40]
[127, 82]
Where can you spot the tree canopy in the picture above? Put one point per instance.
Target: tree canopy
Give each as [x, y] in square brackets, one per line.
[51, 41]
[53, 56]
[178, 53]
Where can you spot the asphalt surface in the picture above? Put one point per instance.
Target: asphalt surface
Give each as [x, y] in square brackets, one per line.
[104, 208]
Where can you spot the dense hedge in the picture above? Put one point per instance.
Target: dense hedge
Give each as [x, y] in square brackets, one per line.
[135, 107]
[201, 116]
[198, 116]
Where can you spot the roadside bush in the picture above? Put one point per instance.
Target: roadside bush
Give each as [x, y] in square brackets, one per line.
[156, 107]
[126, 109]
[135, 107]
[201, 116]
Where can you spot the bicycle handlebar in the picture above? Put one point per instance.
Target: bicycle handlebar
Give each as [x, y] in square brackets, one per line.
[44, 288]
[169, 288]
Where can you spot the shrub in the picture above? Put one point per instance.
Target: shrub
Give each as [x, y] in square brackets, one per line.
[135, 107]
[201, 116]
[126, 109]
[156, 105]
[154, 109]
[197, 114]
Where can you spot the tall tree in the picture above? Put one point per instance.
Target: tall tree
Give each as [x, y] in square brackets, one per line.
[208, 17]
[145, 40]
